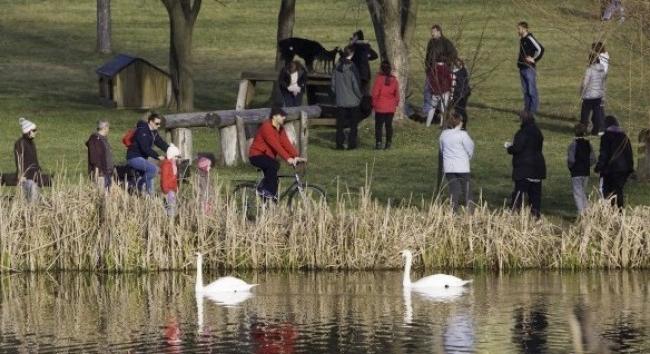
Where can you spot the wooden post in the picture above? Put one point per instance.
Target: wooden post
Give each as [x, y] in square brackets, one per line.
[182, 138]
[229, 147]
[245, 94]
[242, 142]
[303, 133]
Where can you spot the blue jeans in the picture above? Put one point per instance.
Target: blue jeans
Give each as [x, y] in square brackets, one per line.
[149, 169]
[529, 89]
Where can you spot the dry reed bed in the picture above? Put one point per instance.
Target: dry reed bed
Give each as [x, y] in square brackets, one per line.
[74, 228]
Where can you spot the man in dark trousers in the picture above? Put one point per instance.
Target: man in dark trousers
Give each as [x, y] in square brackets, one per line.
[346, 86]
[100, 156]
[28, 170]
[530, 52]
[528, 165]
[438, 47]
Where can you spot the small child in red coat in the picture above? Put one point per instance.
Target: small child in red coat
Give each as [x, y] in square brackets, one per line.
[169, 179]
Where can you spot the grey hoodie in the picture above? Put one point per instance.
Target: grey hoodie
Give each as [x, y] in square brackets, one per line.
[345, 83]
[593, 85]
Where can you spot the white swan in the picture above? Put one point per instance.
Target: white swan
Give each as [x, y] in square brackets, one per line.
[435, 281]
[224, 284]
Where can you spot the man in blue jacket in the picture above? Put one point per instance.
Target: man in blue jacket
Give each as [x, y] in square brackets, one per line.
[145, 137]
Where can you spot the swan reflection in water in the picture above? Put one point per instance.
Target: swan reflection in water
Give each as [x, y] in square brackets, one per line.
[228, 300]
[458, 335]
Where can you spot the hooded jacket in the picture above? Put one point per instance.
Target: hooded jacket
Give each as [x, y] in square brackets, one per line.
[26, 159]
[526, 150]
[100, 157]
[143, 141]
[345, 83]
[593, 85]
[615, 152]
[385, 97]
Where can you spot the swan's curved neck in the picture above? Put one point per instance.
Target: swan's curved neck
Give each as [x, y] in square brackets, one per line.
[407, 271]
[199, 274]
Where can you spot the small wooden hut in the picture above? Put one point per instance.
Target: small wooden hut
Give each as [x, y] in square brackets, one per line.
[131, 82]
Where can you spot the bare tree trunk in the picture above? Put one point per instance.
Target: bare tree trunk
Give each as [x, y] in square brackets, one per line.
[286, 20]
[394, 23]
[182, 17]
[103, 26]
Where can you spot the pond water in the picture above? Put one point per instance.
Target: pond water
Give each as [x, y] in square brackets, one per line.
[360, 312]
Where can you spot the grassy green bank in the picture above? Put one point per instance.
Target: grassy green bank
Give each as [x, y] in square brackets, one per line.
[47, 75]
[75, 229]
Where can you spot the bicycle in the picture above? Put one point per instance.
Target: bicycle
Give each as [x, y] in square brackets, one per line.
[246, 193]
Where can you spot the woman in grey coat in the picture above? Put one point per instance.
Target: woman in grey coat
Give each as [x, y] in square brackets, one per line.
[592, 92]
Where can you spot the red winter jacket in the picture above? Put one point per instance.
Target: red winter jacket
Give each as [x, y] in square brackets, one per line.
[272, 142]
[385, 98]
[168, 179]
[440, 79]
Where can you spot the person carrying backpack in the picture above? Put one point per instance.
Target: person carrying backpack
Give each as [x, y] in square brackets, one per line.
[530, 52]
[140, 149]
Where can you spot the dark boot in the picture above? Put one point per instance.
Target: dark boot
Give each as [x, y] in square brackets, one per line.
[387, 146]
[378, 145]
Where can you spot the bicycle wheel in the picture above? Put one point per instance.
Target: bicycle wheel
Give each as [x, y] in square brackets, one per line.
[310, 194]
[247, 200]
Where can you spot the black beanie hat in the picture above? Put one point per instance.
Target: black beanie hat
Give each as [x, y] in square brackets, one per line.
[610, 120]
[359, 35]
[277, 110]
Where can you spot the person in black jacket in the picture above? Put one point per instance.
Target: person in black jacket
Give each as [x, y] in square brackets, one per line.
[28, 170]
[363, 54]
[528, 165]
[530, 52]
[292, 82]
[580, 158]
[461, 91]
[439, 48]
[615, 161]
[137, 155]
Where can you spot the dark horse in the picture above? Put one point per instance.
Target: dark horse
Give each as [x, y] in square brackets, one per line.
[308, 50]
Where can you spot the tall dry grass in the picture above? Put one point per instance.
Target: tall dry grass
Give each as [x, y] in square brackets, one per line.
[75, 228]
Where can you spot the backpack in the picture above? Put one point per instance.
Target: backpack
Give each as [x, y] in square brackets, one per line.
[127, 138]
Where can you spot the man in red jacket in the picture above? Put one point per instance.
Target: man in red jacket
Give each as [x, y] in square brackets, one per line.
[270, 141]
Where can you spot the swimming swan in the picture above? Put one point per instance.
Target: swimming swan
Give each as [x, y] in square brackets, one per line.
[432, 281]
[224, 284]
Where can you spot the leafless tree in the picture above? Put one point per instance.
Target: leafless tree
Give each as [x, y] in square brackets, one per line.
[104, 26]
[182, 17]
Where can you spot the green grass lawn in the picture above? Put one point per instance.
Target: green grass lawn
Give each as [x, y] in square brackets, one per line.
[47, 75]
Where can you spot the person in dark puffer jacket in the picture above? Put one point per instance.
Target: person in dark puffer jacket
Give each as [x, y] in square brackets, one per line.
[615, 161]
[145, 137]
[28, 170]
[580, 158]
[528, 164]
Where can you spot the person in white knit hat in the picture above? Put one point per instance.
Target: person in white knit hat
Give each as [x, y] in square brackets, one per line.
[28, 170]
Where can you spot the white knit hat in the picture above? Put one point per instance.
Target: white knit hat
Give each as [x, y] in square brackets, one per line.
[25, 125]
[173, 151]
